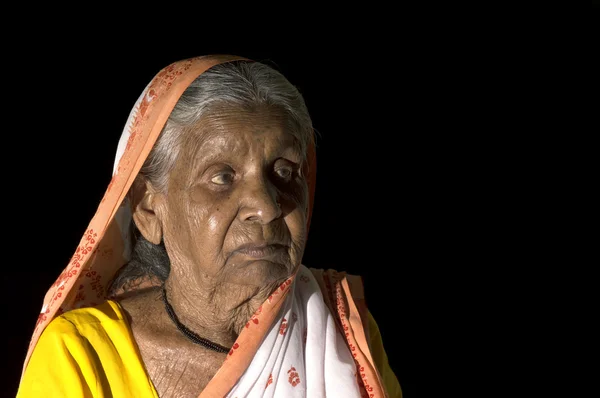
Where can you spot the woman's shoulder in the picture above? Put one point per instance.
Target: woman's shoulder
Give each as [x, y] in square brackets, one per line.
[92, 348]
[89, 328]
[82, 321]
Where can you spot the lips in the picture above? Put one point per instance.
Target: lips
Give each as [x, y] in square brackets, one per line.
[261, 250]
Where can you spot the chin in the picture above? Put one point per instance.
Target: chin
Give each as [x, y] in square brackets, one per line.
[262, 273]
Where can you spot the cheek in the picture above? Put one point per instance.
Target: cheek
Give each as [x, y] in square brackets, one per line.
[198, 194]
[213, 223]
[296, 223]
[213, 211]
[298, 217]
[188, 213]
[295, 196]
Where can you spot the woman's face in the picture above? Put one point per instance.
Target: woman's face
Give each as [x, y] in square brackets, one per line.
[236, 205]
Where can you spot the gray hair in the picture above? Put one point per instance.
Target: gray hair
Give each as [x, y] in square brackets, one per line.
[244, 84]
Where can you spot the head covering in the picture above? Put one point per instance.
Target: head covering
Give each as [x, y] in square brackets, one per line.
[106, 244]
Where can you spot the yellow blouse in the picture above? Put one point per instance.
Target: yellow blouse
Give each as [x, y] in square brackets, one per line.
[91, 352]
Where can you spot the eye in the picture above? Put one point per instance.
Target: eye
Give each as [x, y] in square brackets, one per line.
[285, 172]
[223, 178]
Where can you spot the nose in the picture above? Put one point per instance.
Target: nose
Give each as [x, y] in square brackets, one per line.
[260, 202]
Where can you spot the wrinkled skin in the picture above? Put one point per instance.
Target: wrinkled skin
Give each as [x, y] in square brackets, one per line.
[233, 220]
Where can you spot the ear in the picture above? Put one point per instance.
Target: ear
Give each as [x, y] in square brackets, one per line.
[143, 201]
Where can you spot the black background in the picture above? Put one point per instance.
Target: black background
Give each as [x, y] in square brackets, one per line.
[381, 164]
[420, 115]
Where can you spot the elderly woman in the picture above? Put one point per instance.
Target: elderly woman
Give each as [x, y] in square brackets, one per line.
[188, 281]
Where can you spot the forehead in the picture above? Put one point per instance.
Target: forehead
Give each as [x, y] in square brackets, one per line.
[238, 131]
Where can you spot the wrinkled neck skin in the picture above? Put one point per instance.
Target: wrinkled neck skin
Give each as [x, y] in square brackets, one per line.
[214, 309]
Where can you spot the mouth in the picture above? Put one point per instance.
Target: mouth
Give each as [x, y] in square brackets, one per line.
[262, 250]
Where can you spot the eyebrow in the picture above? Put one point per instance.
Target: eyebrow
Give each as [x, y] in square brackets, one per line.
[289, 145]
[295, 150]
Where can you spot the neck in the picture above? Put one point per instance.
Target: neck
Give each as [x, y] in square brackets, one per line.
[212, 309]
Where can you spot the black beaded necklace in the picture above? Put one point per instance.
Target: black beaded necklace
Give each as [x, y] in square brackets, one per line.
[187, 332]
